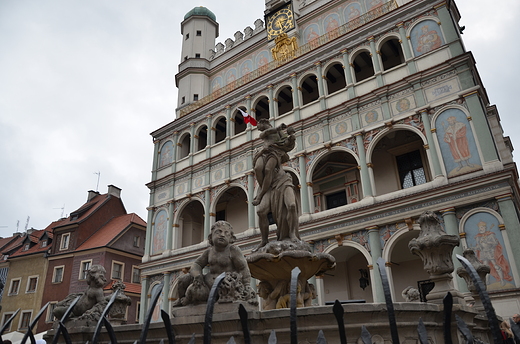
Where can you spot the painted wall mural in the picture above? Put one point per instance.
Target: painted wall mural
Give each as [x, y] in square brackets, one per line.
[457, 143]
[485, 238]
[166, 156]
[311, 33]
[159, 232]
[425, 37]
[352, 11]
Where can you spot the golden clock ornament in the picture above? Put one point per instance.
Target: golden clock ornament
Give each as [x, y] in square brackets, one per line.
[280, 22]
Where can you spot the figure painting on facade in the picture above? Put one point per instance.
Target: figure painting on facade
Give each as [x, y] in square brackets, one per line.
[425, 37]
[457, 144]
[159, 233]
[485, 239]
[221, 256]
[276, 191]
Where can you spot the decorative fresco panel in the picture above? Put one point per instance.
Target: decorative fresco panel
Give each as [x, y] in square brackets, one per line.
[442, 90]
[457, 143]
[198, 182]
[341, 128]
[485, 238]
[426, 36]
[181, 188]
[313, 138]
[311, 33]
[371, 116]
[159, 232]
[402, 105]
[166, 156]
[352, 11]
[218, 174]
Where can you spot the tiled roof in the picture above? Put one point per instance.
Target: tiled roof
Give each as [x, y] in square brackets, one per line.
[13, 245]
[85, 210]
[133, 288]
[106, 234]
[4, 242]
[36, 247]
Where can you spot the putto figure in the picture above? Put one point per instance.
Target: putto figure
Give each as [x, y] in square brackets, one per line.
[221, 256]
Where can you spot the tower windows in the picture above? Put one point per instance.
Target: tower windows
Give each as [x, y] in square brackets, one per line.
[391, 54]
[187, 36]
[411, 171]
[197, 56]
[199, 33]
[195, 97]
[363, 66]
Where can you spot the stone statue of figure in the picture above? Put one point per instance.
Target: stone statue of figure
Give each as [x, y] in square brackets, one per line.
[276, 190]
[92, 300]
[221, 256]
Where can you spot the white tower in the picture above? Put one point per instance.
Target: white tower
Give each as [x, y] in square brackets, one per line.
[199, 30]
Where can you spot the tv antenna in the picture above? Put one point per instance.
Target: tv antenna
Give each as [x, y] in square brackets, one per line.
[62, 210]
[17, 225]
[27, 223]
[98, 176]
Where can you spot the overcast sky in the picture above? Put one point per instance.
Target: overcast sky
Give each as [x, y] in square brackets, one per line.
[83, 83]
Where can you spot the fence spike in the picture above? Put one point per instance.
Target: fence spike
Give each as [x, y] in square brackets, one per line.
[148, 319]
[448, 307]
[484, 297]
[338, 311]
[366, 337]
[29, 333]
[168, 327]
[100, 322]
[422, 333]
[63, 320]
[213, 295]
[272, 338]
[463, 328]
[192, 340]
[388, 299]
[65, 332]
[161, 341]
[110, 330]
[294, 285]
[243, 320]
[231, 340]
[321, 338]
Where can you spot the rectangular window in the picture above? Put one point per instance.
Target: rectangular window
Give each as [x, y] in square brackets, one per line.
[6, 319]
[50, 316]
[32, 283]
[187, 36]
[197, 56]
[15, 286]
[25, 319]
[44, 243]
[411, 171]
[117, 270]
[27, 247]
[85, 267]
[65, 238]
[137, 311]
[195, 97]
[57, 275]
[199, 33]
[183, 100]
[137, 241]
[336, 199]
[136, 274]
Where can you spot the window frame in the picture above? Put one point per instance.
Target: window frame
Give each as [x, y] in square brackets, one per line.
[6, 317]
[136, 268]
[62, 267]
[137, 241]
[50, 309]
[22, 319]
[34, 277]
[137, 311]
[122, 272]
[64, 244]
[83, 273]
[13, 280]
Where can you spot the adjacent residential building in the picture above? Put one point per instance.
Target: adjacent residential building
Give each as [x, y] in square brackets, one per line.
[391, 120]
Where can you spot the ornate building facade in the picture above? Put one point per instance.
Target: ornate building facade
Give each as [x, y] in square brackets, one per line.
[391, 120]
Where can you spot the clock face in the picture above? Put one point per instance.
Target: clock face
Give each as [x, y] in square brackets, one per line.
[280, 22]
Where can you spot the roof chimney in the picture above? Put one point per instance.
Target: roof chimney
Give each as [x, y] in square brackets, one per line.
[91, 195]
[114, 191]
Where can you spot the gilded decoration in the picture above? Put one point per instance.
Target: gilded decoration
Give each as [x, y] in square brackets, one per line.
[285, 48]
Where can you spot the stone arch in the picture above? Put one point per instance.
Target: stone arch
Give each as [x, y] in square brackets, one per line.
[334, 73]
[261, 107]
[190, 222]
[201, 137]
[335, 179]
[220, 128]
[362, 64]
[156, 314]
[390, 51]
[405, 269]
[165, 154]
[184, 145]
[343, 283]
[308, 87]
[231, 205]
[425, 36]
[399, 159]
[159, 231]
[284, 99]
[239, 124]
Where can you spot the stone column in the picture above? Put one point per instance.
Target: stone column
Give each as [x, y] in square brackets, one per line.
[480, 125]
[375, 251]
[144, 298]
[375, 61]
[450, 31]
[156, 154]
[366, 185]
[175, 150]
[304, 189]
[207, 205]
[250, 197]
[321, 89]
[452, 227]
[169, 231]
[509, 214]
[481, 269]
[148, 233]
[320, 290]
[296, 97]
[272, 110]
[166, 292]
[192, 142]
[228, 127]
[348, 74]
[249, 135]
[431, 145]
[408, 56]
[209, 137]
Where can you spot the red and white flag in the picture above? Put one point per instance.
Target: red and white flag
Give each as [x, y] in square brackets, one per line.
[247, 118]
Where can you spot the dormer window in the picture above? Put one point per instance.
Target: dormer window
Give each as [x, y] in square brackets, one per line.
[65, 238]
[43, 243]
[26, 247]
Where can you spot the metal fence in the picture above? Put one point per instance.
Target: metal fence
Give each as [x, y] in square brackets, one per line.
[337, 309]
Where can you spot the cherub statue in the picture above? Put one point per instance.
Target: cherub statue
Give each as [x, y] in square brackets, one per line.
[221, 256]
[91, 297]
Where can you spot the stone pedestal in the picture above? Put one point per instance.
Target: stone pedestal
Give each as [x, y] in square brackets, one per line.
[482, 270]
